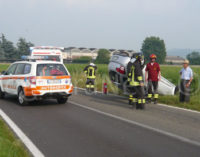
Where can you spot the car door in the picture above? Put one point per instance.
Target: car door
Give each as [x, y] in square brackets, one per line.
[8, 77]
[17, 78]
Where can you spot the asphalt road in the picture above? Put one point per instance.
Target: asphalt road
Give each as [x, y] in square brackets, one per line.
[80, 128]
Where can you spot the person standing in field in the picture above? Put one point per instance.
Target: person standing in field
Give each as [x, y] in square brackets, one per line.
[152, 76]
[186, 79]
[90, 71]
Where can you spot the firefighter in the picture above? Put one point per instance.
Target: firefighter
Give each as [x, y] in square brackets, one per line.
[90, 71]
[136, 83]
[152, 76]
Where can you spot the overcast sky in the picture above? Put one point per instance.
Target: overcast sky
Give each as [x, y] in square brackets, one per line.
[120, 24]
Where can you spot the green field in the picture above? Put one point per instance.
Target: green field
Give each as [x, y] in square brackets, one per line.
[9, 145]
[169, 72]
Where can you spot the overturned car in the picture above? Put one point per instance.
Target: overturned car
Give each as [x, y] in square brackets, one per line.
[118, 74]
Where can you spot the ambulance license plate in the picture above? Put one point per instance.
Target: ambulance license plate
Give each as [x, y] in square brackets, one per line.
[53, 81]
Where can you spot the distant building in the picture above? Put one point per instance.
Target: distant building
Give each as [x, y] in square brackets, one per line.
[174, 60]
[71, 53]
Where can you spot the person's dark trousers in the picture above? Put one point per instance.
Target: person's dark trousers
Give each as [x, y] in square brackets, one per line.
[140, 97]
[90, 84]
[152, 90]
[184, 91]
[132, 96]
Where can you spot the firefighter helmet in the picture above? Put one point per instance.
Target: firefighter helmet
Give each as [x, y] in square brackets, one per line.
[139, 56]
[92, 64]
[153, 56]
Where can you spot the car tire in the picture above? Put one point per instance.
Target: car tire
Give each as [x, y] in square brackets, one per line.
[62, 100]
[2, 94]
[22, 98]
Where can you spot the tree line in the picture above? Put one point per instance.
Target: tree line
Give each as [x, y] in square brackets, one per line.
[10, 51]
[194, 58]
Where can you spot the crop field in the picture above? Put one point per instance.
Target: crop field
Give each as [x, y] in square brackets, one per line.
[169, 72]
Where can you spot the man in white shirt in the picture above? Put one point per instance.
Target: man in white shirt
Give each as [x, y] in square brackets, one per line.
[186, 79]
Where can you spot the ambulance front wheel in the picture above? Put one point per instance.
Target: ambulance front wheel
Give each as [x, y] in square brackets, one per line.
[22, 98]
[62, 100]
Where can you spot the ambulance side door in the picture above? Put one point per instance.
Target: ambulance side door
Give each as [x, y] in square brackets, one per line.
[18, 78]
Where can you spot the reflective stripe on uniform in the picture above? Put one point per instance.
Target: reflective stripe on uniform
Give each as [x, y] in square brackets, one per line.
[149, 96]
[134, 83]
[132, 80]
[88, 72]
[156, 96]
[139, 101]
[130, 97]
[87, 86]
[143, 101]
[140, 78]
[134, 99]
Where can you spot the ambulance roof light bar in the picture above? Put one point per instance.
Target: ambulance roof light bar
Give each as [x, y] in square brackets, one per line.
[34, 58]
[47, 48]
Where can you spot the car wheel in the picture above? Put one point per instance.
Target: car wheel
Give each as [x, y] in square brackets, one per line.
[2, 94]
[62, 100]
[22, 98]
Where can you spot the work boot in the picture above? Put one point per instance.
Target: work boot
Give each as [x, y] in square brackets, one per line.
[137, 106]
[130, 102]
[148, 101]
[142, 106]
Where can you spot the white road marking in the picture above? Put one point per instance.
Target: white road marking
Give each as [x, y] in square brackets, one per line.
[163, 105]
[180, 138]
[27, 142]
[178, 108]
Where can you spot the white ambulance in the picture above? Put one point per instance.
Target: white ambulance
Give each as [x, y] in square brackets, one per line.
[36, 79]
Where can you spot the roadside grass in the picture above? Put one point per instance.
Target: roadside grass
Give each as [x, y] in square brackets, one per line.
[10, 146]
[79, 77]
[3, 67]
[169, 72]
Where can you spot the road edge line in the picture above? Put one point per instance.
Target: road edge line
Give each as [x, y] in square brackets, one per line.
[180, 138]
[25, 140]
[163, 105]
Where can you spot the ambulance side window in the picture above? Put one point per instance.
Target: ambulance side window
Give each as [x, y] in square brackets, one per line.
[11, 69]
[27, 68]
[19, 70]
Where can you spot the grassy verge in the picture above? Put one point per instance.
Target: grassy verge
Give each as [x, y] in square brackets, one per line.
[9, 145]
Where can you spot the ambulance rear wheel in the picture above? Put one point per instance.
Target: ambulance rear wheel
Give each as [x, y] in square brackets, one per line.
[22, 98]
[2, 94]
[62, 100]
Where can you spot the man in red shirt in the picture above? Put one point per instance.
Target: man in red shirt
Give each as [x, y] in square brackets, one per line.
[152, 76]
